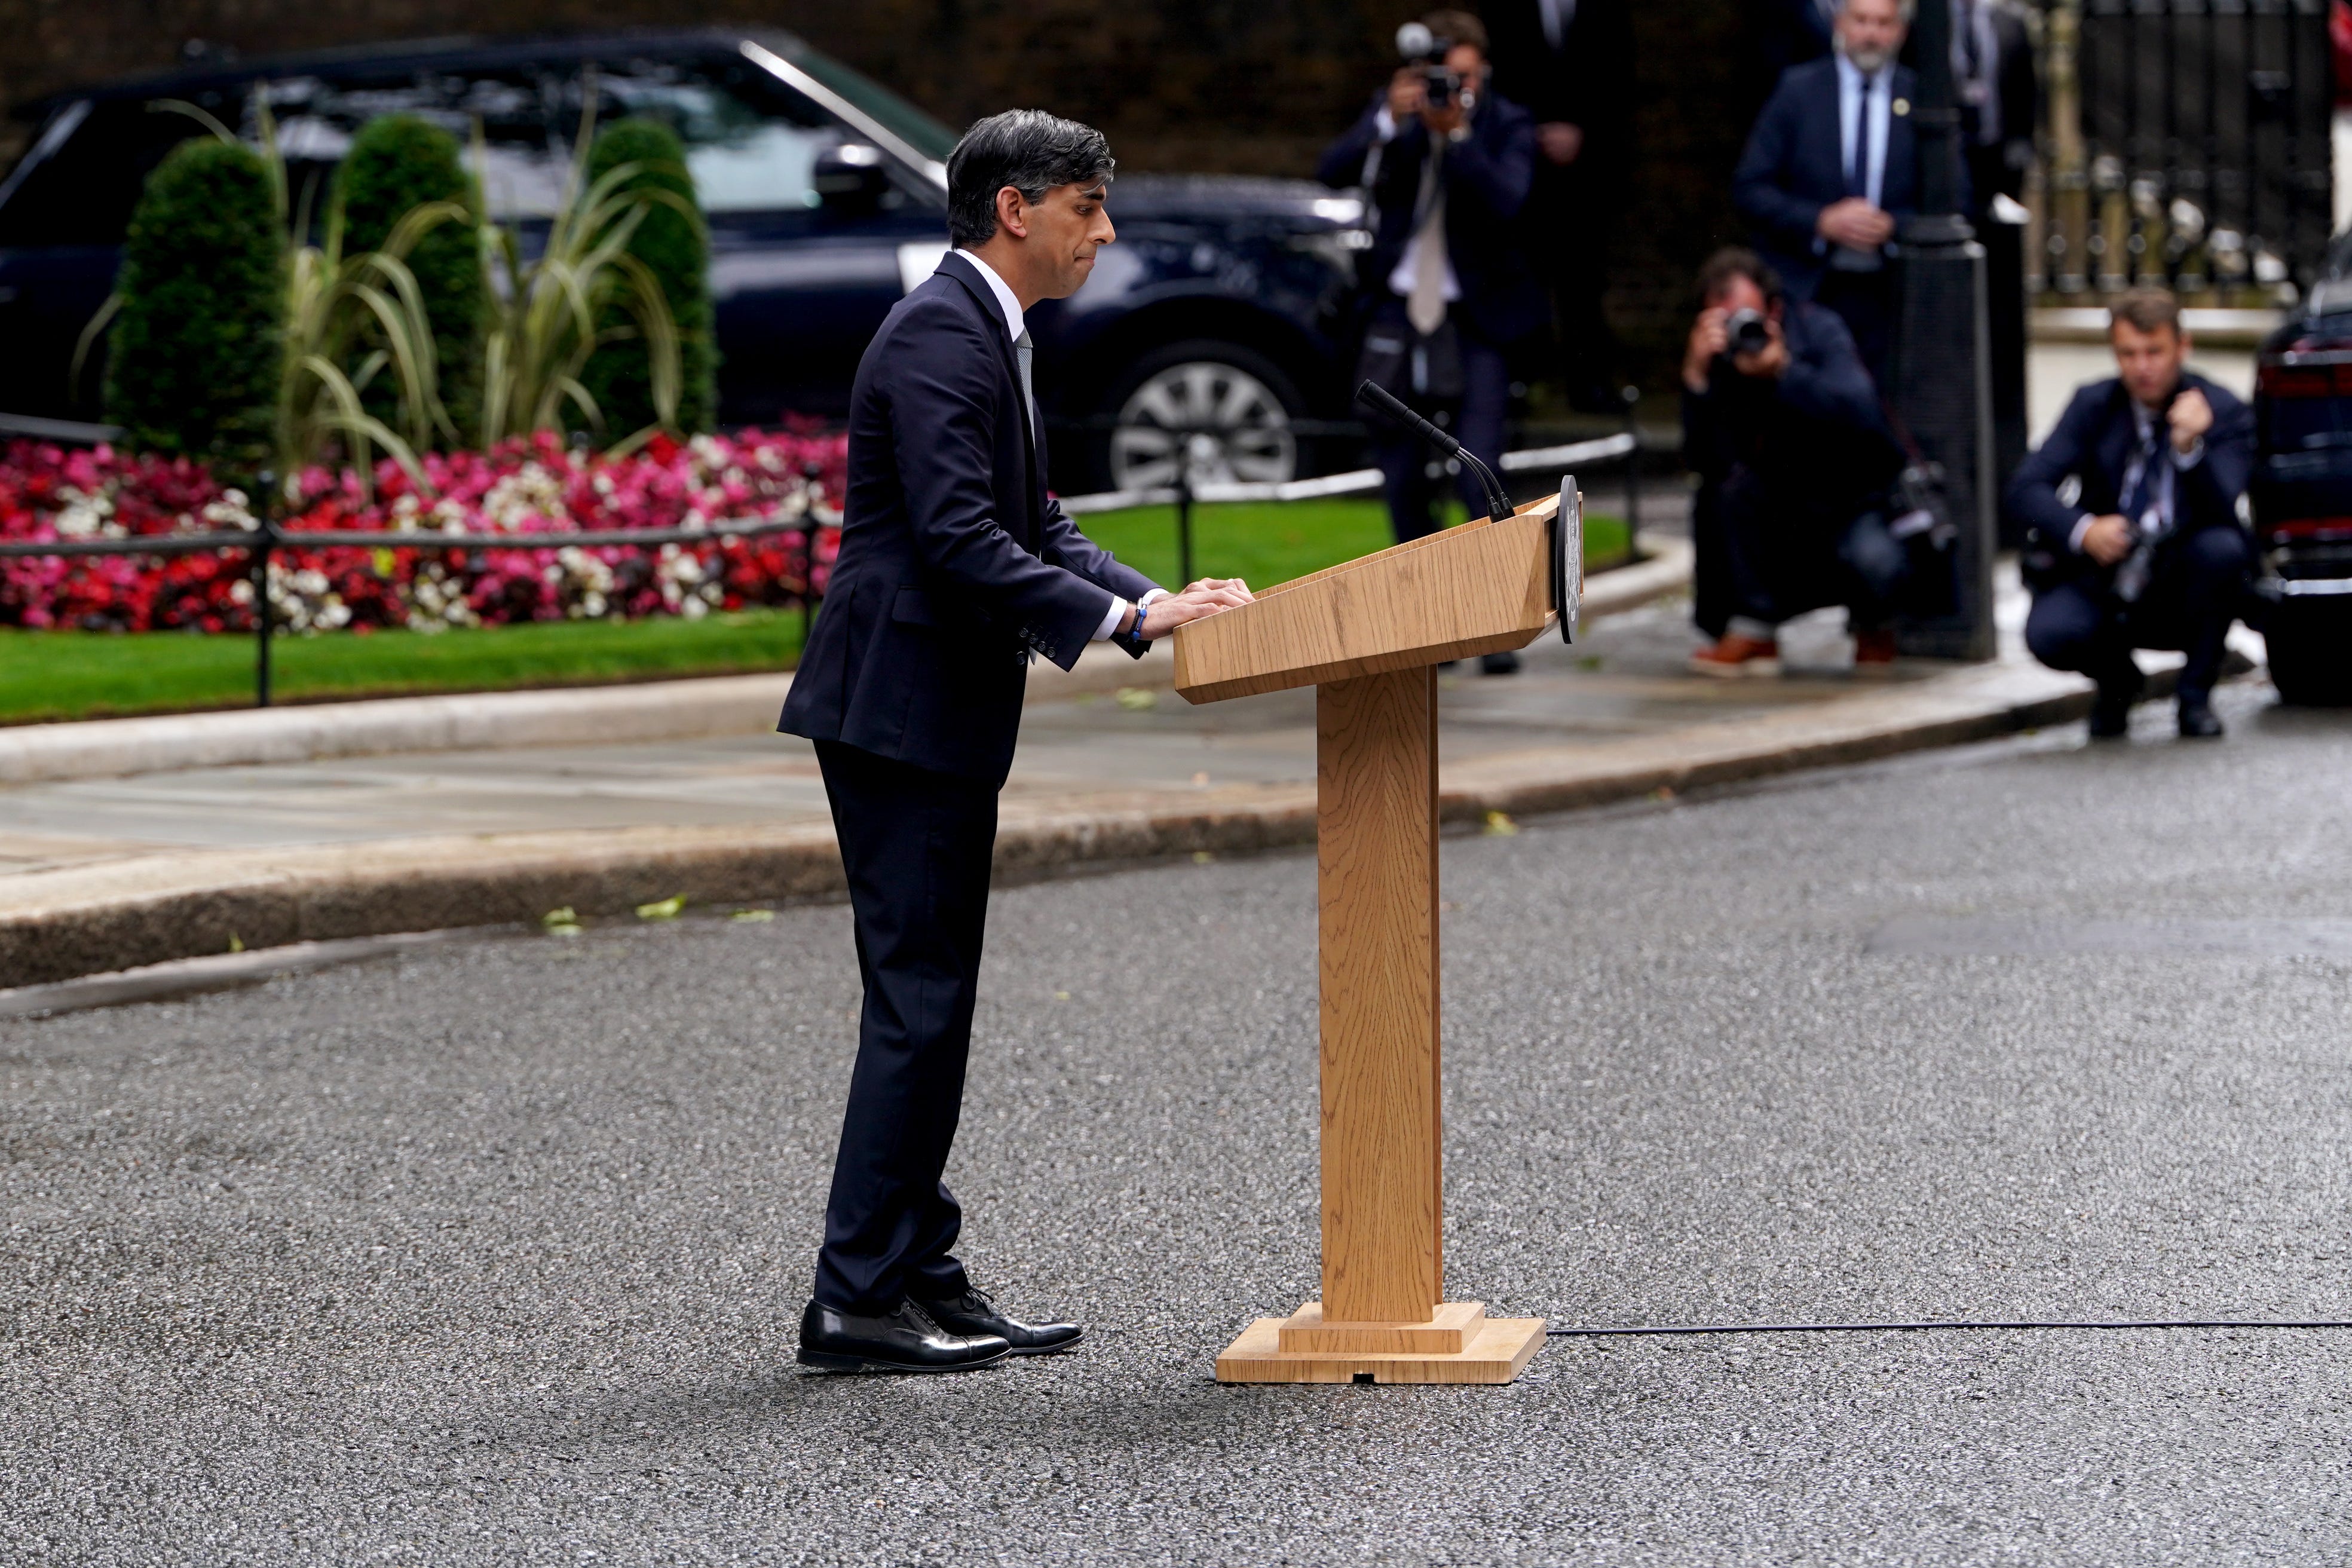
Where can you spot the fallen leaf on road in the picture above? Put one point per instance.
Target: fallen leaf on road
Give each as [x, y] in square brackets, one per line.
[1500, 824]
[1134, 699]
[663, 908]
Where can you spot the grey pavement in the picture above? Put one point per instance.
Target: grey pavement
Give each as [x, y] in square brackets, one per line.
[1625, 677]
[490, 1250]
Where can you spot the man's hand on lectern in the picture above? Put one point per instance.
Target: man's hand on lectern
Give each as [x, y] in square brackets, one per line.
[1206, 597]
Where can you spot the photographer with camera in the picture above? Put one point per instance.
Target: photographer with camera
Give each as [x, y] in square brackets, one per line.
[1446, 289]
[2131, 504]
[1783, 425]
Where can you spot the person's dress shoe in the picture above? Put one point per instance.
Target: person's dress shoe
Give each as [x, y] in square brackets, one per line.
[1733, 654]
[908, 1339]
[2199, 722]
[1873, 653]
[1505, 663]
[973, 1313]
[2111, 710]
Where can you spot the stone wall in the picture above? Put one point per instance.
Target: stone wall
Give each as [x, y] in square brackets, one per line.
[1251, 86]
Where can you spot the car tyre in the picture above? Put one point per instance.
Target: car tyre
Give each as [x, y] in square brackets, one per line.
[1238, 403]
[2310, 654]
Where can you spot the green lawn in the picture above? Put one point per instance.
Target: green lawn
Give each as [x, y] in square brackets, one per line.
[47, 676]
[85, 675]
[1265, 545]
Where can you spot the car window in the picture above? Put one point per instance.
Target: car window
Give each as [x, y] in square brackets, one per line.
[751, 146]
[82, 192]
[901, 119]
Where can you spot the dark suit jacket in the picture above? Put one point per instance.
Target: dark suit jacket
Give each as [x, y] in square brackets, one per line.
[955, 564]
[1794, 166]
[1587, 82]
[1486, 178]
[1815, 439]
[2093, 445]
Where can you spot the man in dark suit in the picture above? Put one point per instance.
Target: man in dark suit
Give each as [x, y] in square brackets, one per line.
[1448, 289]
[1570, 63]
[955, 568]
[1793, 461]
[1830, 167]
[2148, 550]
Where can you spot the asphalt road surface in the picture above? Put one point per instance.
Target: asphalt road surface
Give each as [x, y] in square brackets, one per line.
[493, 1251]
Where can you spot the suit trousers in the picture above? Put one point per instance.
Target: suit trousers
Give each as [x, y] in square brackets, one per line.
[2197, 588]
[916, 847]
[1478, 414]
[1765, 558]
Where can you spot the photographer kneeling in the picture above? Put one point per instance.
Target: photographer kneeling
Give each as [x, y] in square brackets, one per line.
[1782, 424]
[1445, 167]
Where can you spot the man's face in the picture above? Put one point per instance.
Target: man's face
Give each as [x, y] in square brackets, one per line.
[1870, 32]
[1064, 230]
[2150, 362]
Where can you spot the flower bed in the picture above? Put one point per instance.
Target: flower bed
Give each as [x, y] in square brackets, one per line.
[535, 491]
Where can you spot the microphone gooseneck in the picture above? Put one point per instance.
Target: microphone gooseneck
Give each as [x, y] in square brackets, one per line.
[1499, 505]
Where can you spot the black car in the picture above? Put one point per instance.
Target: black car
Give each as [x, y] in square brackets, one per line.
[2302, 492]
[1210, 327]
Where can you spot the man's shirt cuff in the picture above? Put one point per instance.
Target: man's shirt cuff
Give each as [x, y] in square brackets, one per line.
[2191, 458]
[1385, 123]
[2081, 527]
[1109, 627]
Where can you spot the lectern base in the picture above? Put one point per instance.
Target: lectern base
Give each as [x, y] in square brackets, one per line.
[1492, 1350]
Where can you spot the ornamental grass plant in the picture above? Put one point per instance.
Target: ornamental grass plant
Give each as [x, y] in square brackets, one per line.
[399, 164]
[674, 243]
[554, 310]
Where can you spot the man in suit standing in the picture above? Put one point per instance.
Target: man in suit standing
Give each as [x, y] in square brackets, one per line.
[1570, 63]
[2146, 551]
[1829, 168]
[955, 568]
[1448, 287]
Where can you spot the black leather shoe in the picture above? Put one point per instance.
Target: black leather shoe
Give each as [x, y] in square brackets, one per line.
[1499, 664]
[908, 1339]
[973, 1313]
[2199, 722]
[2111, 713]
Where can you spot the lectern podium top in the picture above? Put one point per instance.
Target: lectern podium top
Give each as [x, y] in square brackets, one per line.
[1482, 587]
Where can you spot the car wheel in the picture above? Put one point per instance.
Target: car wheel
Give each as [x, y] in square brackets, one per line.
[1218, 409]
[2310, 654]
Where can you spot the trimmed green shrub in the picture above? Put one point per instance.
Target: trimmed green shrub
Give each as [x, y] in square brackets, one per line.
[675, 246]
[198, 344]
[397, 163]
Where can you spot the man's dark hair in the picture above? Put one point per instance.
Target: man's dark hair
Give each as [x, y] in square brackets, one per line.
[1457, 27]
[1736, 261]
[1027, 148]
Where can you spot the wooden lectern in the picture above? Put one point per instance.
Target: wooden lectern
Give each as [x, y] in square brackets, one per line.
[1368, 635]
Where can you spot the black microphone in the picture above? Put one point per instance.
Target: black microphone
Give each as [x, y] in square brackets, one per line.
[1499, 505]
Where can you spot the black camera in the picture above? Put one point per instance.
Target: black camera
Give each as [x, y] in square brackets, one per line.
[1426, 51]
[1749, 332]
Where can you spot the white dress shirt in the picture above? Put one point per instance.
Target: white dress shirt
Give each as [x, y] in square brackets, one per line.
[1882, 109]
[1008, 302]
[1400, 279]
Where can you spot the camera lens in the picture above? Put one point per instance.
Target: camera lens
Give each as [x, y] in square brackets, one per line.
[1748, 332]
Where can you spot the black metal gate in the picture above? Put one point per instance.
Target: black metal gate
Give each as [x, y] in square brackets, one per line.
[2187, 143]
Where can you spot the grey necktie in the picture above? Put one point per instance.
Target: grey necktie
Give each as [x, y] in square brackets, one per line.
[1023, 350]
[1425, 306]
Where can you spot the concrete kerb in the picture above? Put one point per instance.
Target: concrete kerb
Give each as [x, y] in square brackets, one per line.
[73, 923]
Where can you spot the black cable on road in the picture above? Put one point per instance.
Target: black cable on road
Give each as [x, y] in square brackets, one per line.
[1648, 1329]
